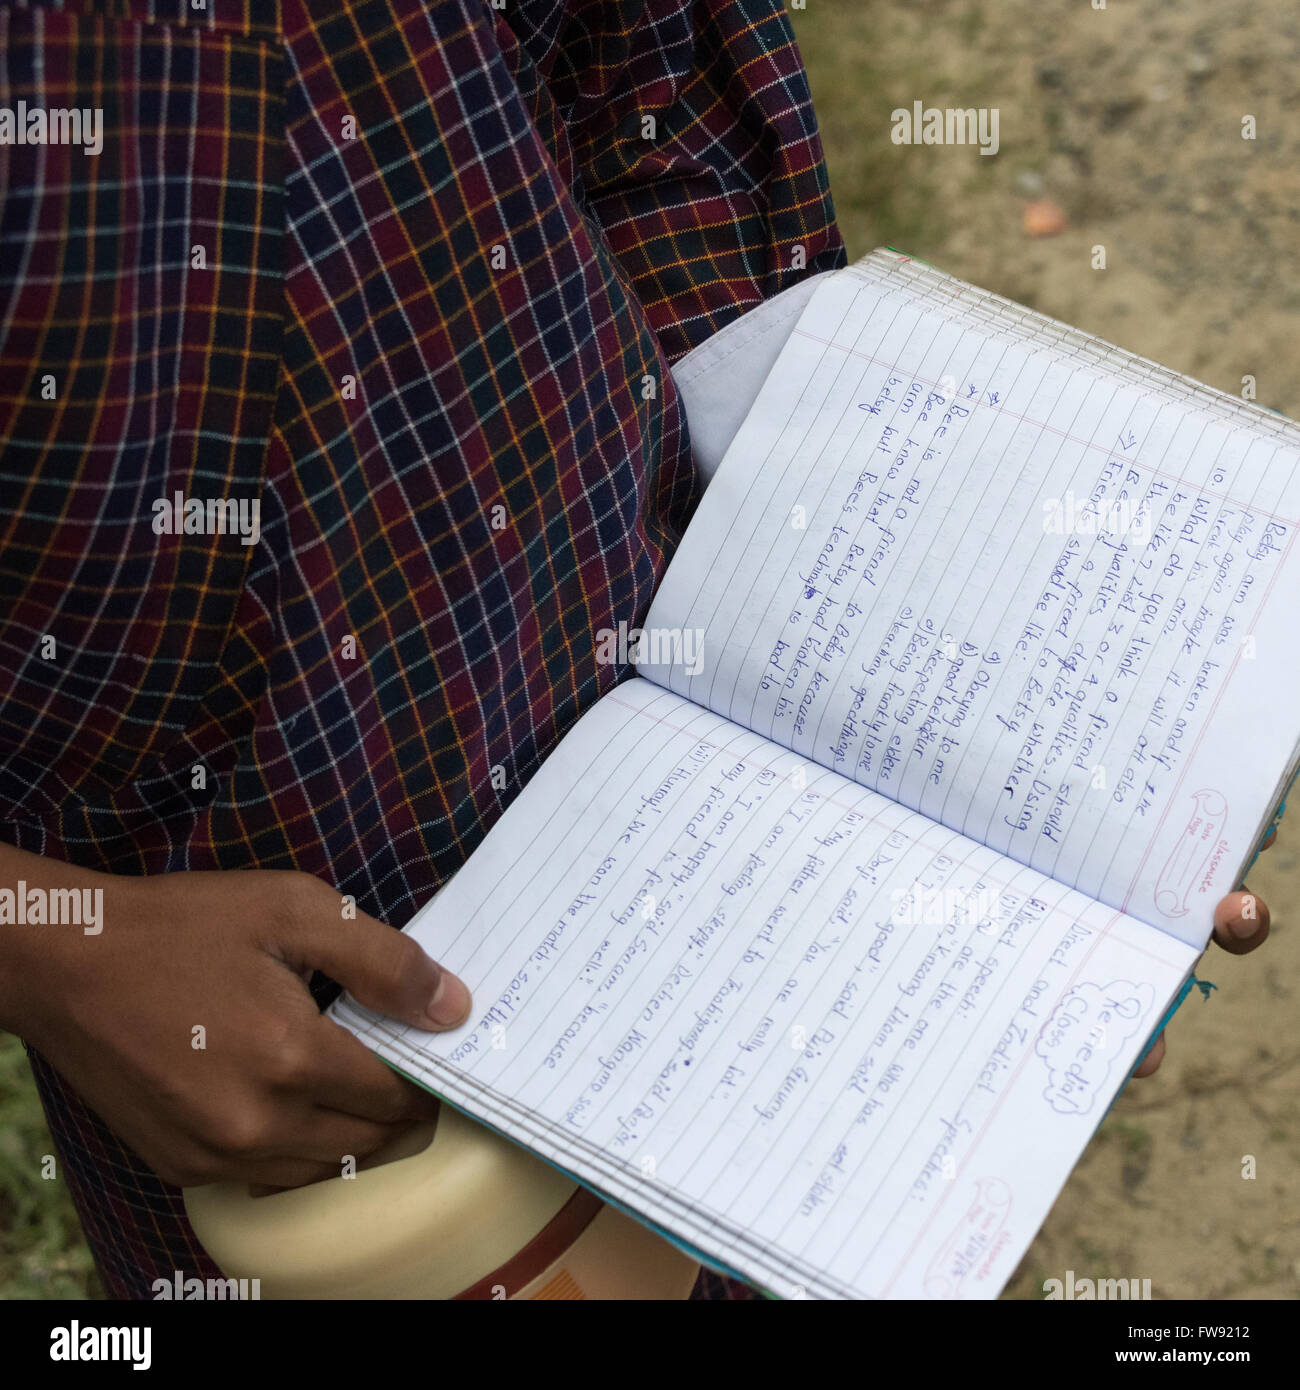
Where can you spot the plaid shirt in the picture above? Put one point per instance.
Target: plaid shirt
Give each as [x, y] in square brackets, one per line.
[411, 274]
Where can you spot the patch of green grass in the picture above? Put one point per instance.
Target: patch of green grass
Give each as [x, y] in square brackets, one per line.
[884, 193]
[42, 1251]
[1093, 1253]
[1134, 1139]
[970, 25]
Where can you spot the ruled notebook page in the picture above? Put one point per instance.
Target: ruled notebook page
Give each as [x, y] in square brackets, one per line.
[833, 1046]
[1034, 587]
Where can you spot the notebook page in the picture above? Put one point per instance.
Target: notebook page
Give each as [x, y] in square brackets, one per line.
[1009, 576]
[831, 1045]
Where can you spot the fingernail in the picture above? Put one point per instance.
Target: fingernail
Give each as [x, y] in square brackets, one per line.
[450, 1003]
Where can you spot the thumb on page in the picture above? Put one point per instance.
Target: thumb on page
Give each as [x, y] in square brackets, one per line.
[382, 969]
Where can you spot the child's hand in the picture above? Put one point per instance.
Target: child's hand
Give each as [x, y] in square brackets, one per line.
[188, 1026]
[1240, 924]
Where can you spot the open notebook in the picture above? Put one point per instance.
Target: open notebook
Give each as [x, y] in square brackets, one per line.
[824, 942]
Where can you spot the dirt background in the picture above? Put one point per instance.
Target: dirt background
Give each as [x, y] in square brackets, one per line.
[1129, 120]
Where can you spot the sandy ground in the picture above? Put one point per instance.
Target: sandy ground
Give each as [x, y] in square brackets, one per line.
[1130, 120]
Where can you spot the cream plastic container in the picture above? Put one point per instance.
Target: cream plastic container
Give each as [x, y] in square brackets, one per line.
[451, 1210]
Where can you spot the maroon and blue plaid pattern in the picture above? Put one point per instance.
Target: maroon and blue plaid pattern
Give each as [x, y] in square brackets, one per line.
[400, 270]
